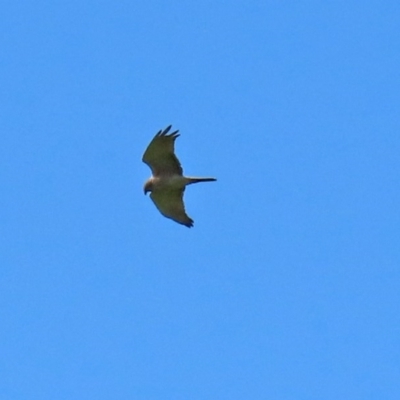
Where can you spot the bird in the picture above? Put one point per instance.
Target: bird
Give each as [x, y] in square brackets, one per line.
[167, 183]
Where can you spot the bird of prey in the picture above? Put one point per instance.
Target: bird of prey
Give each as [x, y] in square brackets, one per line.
[167, 183]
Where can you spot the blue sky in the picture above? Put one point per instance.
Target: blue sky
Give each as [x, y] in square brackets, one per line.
[288, 285]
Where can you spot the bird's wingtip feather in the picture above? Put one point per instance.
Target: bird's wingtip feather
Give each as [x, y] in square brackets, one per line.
[166, 130]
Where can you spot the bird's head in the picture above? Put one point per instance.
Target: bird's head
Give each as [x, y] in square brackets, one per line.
[148, 186]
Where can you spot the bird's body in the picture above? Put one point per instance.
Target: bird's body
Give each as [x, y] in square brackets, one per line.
[167, 183]
[172, 182]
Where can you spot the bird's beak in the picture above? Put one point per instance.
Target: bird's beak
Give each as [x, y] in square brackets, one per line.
[145, 191]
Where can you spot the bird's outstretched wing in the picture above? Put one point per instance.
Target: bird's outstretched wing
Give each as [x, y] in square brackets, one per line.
[170, 203]
[160, 155]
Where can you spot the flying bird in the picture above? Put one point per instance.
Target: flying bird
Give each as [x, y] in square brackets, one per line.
[167, 183]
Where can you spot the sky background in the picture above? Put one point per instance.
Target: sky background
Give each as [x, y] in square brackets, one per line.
[287, 287]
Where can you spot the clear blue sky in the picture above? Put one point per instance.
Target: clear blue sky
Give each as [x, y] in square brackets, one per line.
[288, 286]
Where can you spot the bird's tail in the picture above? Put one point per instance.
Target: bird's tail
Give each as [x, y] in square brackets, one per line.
[197, 180]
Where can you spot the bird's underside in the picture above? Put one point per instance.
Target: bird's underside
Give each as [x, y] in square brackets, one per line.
[167, 183]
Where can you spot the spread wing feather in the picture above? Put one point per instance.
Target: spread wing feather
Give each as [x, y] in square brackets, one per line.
[170, 204]
[160, 154]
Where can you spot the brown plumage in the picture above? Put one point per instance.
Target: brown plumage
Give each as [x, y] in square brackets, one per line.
[167, 183]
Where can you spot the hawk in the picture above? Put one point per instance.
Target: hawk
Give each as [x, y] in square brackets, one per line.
[167, 183]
